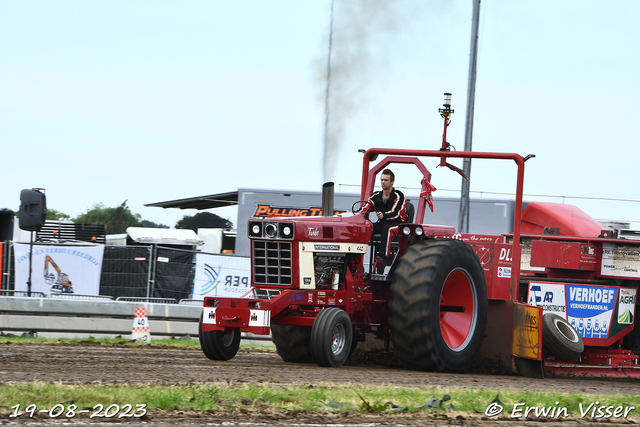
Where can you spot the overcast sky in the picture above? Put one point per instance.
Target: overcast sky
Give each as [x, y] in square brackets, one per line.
[150, 101]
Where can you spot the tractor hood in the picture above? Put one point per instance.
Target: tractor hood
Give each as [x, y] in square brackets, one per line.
[346, 227]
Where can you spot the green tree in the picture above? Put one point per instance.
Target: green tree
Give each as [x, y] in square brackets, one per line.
[116, 219]
[151, 224]
[203, 220]
[54, 215]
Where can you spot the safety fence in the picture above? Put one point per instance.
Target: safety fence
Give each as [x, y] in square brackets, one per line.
[69, 316]
[147, 271]
[158, 278]
[150, 271]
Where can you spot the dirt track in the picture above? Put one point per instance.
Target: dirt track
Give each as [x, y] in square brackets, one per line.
[100, 364]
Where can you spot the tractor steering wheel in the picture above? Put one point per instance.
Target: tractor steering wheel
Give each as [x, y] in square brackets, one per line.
[362, 207]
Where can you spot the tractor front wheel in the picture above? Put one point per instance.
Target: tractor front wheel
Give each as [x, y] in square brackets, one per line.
[438, 306]
[331, 337]
[217, 345]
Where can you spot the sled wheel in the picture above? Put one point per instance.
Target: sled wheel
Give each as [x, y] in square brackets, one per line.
[560, 338]
[438, 306]
[217, 345]
[292, 342]
[331, 337]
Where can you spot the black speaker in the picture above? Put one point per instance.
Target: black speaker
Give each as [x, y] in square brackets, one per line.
[33, 210]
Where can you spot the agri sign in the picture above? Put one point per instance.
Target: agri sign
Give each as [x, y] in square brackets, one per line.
[596, 312]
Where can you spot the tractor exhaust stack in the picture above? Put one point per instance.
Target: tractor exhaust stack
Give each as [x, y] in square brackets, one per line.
[327, 199]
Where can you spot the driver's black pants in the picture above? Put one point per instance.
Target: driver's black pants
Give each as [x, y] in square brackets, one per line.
[382, 227]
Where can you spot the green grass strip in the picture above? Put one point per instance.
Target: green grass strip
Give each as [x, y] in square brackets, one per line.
[349, 398]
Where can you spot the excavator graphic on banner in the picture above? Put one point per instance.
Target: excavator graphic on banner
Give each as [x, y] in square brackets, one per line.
[61, 282]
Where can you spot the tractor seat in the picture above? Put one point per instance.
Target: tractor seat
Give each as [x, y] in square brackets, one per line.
[376, 238]
[411, 210]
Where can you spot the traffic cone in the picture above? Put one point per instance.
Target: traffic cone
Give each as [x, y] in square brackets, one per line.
[141, 326]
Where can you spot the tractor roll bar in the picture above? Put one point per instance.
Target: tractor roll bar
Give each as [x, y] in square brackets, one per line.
[372, 153]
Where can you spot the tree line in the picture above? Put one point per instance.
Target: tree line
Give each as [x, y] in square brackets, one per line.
[118, 219]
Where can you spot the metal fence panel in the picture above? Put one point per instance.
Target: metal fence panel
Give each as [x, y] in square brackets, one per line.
[148, 299]
[12, 293]
[78, 296]
[126, 271]
[173, 273]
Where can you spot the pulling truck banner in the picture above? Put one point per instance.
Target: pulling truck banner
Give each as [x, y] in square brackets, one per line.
[59, 269]
[595, 312]
[269, 211]
[221, 276]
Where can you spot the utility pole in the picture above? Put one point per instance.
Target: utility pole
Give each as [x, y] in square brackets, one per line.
[463, 218]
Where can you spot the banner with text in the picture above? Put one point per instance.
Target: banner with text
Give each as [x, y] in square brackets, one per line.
[222, 276]
[59, 269]
[594, 311]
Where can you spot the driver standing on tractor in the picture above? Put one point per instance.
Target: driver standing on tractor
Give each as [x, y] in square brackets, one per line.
[391, 209]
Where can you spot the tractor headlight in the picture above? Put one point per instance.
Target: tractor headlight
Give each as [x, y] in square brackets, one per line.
[255, 229]
[419, 231]
[406, 230]
[286, 231]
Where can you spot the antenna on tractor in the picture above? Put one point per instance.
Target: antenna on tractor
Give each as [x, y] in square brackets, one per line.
[445, 113]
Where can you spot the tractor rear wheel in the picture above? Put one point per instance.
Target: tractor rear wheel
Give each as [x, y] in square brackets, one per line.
[292, 342]
[560, 338]
[217, 345]
[438, 306]
[331, 337]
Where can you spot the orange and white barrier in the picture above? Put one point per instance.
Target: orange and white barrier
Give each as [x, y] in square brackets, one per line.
[141, 326]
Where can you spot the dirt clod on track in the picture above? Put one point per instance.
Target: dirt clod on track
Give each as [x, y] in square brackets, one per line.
[95, 363]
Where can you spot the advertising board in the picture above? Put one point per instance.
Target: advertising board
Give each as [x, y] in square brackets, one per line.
[596, 312]
[221, 276]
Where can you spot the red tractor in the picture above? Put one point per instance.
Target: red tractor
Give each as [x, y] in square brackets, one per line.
[534, 300]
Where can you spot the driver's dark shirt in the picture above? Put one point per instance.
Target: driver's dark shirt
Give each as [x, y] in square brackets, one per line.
[393, 209]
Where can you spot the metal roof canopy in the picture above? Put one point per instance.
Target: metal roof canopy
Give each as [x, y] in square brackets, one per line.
[202, 202]
[164, 236]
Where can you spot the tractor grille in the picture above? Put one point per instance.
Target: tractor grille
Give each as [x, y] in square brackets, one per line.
[272, 262]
